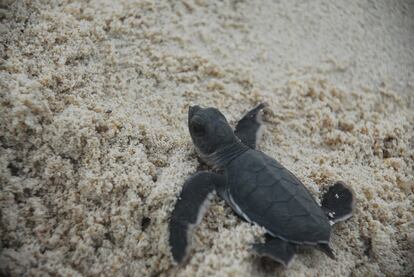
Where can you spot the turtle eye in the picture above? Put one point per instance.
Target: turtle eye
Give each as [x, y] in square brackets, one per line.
[198, 129]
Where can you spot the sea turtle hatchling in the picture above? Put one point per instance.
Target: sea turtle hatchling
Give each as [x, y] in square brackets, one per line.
[258, 188]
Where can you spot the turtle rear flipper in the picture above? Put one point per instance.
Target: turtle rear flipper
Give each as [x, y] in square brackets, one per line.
[248, 128]
[338, 202]
[189, 210]
[276, 249]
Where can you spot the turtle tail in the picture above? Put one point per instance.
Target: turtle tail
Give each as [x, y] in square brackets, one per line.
[325, 248]
[338, 202]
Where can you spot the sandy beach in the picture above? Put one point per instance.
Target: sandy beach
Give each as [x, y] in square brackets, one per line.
[94, 143]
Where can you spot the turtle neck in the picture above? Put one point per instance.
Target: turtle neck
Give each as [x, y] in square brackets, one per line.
[225, 154]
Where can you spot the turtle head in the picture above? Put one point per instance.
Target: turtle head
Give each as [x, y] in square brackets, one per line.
[209, 129]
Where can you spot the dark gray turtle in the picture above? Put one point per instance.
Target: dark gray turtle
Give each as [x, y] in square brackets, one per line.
[257, 187]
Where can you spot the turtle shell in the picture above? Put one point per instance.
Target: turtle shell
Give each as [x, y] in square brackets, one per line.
[264, 192]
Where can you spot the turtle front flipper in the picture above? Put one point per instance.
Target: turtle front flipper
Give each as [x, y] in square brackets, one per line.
[189, 210]
[248, 128]
[279, 250]
[338, 202]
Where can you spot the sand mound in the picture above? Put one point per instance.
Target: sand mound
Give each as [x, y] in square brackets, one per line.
[94, 146]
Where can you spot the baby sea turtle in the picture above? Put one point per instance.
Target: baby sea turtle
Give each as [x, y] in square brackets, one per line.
[258, 188]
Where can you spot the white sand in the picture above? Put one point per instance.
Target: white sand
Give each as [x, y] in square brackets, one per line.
[94, 146]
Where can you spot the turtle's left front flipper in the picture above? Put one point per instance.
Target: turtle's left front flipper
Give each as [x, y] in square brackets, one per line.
[248, 128]
[189, 210]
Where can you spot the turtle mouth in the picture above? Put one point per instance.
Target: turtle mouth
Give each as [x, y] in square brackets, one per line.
[192, 110]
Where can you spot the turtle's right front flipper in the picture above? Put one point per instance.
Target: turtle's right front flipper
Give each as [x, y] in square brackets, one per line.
[248, 128]
[189, 210]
